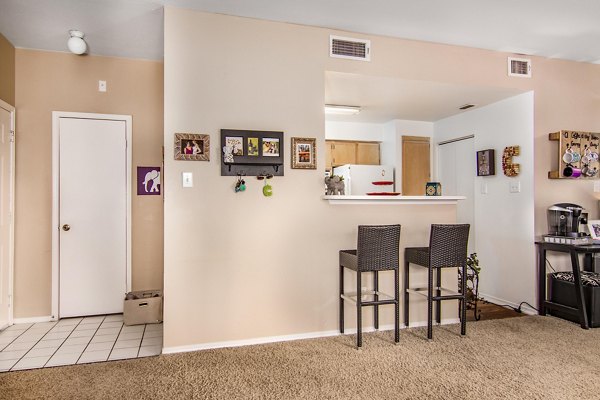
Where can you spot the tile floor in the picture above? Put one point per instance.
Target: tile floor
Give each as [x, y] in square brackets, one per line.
[76, 341]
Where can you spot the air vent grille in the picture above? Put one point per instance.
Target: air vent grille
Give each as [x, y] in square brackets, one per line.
[354, 49]
[519, 67]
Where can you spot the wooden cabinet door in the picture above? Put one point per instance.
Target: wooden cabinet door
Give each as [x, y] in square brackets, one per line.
[415, 165]
[343, 153]
[367, 153]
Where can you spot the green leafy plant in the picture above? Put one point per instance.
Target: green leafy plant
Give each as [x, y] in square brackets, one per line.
[473, 263]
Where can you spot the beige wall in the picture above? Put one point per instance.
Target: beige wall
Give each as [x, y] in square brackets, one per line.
[7, 71]
[240, 266]
[49, 81]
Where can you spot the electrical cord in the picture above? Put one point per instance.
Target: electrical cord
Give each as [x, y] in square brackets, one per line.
[551, 267]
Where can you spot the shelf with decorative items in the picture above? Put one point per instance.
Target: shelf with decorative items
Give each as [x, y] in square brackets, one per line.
[577, 155]
[251, 153]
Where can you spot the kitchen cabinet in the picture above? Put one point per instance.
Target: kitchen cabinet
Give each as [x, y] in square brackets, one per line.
[415, 165]
[351, 152]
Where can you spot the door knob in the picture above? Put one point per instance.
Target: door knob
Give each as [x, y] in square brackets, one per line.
[66, 227]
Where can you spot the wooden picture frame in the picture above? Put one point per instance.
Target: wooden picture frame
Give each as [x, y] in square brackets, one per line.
[192, 147]
[486, 162]
[304, 153]
[594, 228]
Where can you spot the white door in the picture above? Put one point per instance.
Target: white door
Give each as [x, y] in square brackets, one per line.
[92, 216]
[6, 210]
[456, 173]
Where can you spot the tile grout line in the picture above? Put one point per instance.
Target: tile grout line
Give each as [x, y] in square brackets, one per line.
[141, 341]
[115, 342]
[86, 346]
[31, 348]
[16, 337]
[63, 342]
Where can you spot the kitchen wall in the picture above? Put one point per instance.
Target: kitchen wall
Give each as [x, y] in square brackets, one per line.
[7, 71]
[241, 267]
[360, 131]
[503, 220]
[51, 81]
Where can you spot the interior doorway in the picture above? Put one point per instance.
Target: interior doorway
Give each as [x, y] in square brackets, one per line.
[7, 184]
[91, 213]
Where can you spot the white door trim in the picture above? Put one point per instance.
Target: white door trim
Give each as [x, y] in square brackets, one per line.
[11, 244]
[56, 115]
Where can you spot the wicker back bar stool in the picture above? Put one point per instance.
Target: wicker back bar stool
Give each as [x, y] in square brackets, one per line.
[447, 248]
[377, 250]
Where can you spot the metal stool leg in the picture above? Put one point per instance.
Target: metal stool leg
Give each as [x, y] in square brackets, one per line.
[430, 304]
[438, 305]
[396, 306]
[358, 310]
[405, 293]
[341, 299]
[463, 311]
[376, 297]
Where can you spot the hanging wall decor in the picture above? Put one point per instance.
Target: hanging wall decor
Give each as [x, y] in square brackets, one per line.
[509, 168]
[251, 153]
[148, 181]
[192, 147]
[486, 162]
[304, 153]
[577, 155]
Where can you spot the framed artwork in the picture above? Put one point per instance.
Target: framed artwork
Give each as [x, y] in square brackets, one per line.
[270, 147]
[594, 228]
[236, 144]
[251, 153]
[304, 153]
[253, 146]
[192, 147]
[486, 163]
[148, 181]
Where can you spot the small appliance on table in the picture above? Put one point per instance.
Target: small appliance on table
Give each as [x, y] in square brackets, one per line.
[564, 225]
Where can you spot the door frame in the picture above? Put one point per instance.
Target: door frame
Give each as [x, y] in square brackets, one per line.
[11, 244]
[56, 115]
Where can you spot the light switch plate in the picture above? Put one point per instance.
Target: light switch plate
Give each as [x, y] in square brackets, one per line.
[187, 180]
[484, 188]
[515, 186]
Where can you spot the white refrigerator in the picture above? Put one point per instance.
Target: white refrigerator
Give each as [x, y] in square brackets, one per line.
[358, 179]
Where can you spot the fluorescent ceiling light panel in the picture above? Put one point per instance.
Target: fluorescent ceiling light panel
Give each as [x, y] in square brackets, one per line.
[342, 110]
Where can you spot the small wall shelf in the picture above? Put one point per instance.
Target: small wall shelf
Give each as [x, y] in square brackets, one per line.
[255, 153]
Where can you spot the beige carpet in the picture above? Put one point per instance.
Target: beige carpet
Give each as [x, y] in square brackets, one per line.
[515, 358]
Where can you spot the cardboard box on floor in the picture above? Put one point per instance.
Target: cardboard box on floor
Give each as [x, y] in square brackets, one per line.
[143, 307]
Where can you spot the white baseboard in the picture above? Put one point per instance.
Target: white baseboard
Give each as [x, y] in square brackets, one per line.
[285, 338]
[525, 308]
[33, 320]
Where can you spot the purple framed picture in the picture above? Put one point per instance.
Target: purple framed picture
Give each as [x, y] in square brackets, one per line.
[148, 181]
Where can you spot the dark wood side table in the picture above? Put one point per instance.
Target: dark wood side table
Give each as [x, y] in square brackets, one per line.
[574, 251]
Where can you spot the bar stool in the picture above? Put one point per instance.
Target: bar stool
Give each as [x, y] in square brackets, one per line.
[377, 250]
[447, 248]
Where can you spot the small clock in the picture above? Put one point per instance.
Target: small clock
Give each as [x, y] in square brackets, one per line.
[433, 189]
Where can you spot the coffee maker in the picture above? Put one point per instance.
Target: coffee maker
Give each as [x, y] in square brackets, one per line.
[564, 219]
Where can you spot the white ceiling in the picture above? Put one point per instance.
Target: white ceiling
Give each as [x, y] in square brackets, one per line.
[383, 99]
[133, 28]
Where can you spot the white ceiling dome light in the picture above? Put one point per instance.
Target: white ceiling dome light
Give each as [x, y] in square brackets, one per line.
[76, 44]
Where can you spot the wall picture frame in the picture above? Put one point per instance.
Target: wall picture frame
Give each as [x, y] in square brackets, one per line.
[486, 162]
[304, 153]
[192, 147]
[594, 228]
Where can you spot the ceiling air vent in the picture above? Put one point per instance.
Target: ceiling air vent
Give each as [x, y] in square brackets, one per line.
[353, 49]
[519, 67]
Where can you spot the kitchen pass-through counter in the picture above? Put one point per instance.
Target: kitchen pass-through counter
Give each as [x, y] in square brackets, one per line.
[395, 200]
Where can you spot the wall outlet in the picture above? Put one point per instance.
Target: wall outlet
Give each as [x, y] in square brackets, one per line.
[596, 186]
[515, 186]
[102, 86]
